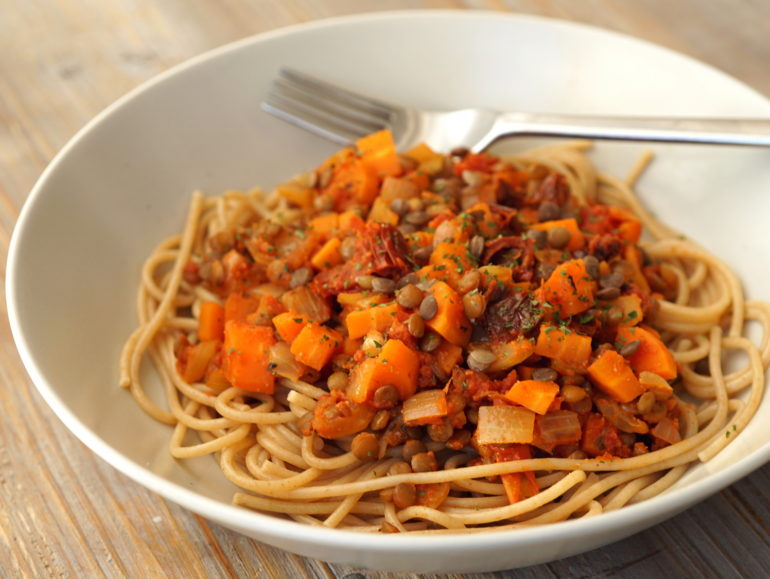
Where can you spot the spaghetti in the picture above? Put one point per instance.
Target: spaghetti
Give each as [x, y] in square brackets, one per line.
[428, 343]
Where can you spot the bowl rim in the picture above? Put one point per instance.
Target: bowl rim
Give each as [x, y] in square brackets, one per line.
[635, 516]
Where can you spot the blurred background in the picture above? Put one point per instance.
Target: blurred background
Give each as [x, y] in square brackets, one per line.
[63, 512]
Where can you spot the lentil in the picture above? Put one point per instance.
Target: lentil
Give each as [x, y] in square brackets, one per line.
[404, 495]
[386, 396]
[337, 381]
[480, 359]
[409, 296]
[424, 462]
[416, 325]
[428, 308]
[430, 342]
[558, 237]
[383, 285]
[545, 374]
[630, 348]
[365, 446]
[300, 277]
[474, 304]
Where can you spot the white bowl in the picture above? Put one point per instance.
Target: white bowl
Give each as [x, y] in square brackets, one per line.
[123, 183]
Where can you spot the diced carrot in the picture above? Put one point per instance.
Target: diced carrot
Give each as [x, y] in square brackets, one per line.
[397, 188]
[238, 306]
[382, 213]
[335, 417]
[517, 485]
[197, 359]
[325, 224]
[380, 318]
[246, 356]
[652, 354]
[315, 345]
[510, 354]
[329, 255]
[351, 221]
[611, 373]
[352, 183]
[211, 322]
[422, 153]
[450, 321]
[569, 288]
[496, 274]
[419, 239]
[396, 364]
[378, 151]
[451, 261]
[576, 239]
[447, 356]
[361, 300]
[420, 178]
[487, 225]
[537, 395]
[569, 348]
[289, 325]
[627, 226]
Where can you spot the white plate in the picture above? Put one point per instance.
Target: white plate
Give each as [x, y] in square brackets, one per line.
[123, 182]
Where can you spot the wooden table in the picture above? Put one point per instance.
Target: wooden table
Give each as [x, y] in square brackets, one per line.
[63, 512]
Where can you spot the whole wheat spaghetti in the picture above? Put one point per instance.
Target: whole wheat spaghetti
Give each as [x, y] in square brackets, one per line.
[430, 343]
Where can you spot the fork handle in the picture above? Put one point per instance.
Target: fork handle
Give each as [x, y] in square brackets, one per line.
[672, 130]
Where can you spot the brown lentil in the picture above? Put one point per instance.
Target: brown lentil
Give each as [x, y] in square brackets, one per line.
[404, 495]
[411, 277]
[348, 248]
[430, 342]
[416, 325]
[383, 285]
[614, 279]
[300, 277]
[608, 294]
[399, 467]
[592, 266]
[380, 420]
[365, 446]
[424, 462]
[412, 447]
[406, 229]
[417, 218]
[476, 246]
[558, 237]
[480, 359]
[539, 237]
[630, 348]
[440, 432]
[399, 206]
[428, 308]
[423, 253]
[472, 415]
[545, 374]
[474, 304]
[469, 281]
[409, 296]
[337, 381]
[548, 211]
[646, 402]
[365, 281]
[573, 394]
[386, 396]
[544, 270]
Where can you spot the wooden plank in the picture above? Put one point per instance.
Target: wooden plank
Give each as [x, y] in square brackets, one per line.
[63, 512]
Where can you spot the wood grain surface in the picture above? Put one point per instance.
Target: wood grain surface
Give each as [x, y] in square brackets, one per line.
[65, 513]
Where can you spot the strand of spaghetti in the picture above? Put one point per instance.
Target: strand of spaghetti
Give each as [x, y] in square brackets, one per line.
[462, 504]
[621, 494]
[683, 293]
[742, 417]
[308, 390]
[340, 461]
[274, 448]
[699, 350]
[733, 294]
[301, 400]
[391, 517]
[262, 414]
[317, 508]
[544, 497]
[629, 200]
[640, 166]
[707, 410]
[141, 398]
[151, 328]
[432, 515]
[347, 505]
[276, 488]
[178, 450]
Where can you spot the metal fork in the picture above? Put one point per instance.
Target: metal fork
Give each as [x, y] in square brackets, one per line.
[343, 116]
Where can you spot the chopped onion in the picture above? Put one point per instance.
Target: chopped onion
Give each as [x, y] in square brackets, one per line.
[558, 427]
[307, 304]
[424, 407]
[283, 363]
[619, 418]
[504, 425]
[667, 431]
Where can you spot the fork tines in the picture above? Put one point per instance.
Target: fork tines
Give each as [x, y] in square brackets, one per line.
[334, 113]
